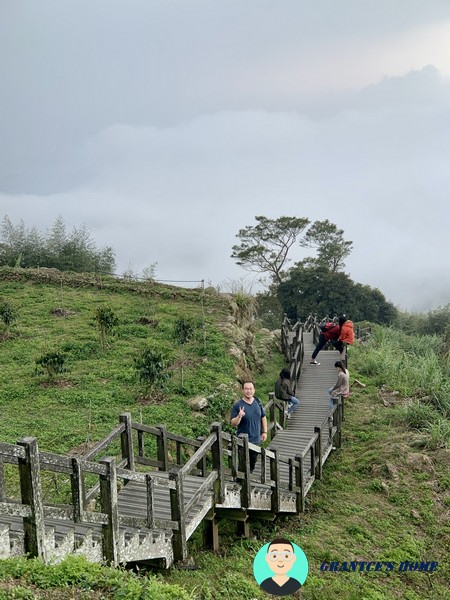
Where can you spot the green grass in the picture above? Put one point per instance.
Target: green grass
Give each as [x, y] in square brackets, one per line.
[98, 384]
[382, 497]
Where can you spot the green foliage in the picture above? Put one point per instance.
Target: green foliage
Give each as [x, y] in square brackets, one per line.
[265, 246]
[24, 247]
[106, 320]
[324, 292]
[81, 576]
[269, 309]
[151, 365]
[51, 363]
[413, 366]
[8, 314]
[184, 330]
[332, 249]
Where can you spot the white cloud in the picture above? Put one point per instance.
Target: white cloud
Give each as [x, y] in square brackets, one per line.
[166, 127]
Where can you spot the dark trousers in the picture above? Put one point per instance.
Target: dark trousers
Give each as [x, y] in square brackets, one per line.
[322, 342]
[253, 455]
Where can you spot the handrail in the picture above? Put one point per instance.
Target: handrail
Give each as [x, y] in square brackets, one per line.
[212, 458]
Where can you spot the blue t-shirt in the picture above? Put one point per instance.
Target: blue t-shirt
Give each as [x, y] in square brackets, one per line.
[251, 421]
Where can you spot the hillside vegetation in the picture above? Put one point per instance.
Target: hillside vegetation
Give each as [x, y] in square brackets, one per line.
[384, 496]
[57, 313]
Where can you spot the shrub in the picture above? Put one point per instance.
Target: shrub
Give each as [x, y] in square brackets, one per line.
[151, 365]
[8, 314]
[106, 321]
[51, 363]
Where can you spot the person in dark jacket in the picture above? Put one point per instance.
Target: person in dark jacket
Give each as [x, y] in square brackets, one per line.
[283, 391]
[330, 333]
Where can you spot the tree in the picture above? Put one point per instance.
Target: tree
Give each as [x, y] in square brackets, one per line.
[28, 248]
[151, 365]
[183, 332]
[332, 249]
[51, 363]
[106, 322]
[264, 247]
[324, 292]
[8, 314]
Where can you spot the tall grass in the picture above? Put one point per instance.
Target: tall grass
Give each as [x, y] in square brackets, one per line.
[413, 365]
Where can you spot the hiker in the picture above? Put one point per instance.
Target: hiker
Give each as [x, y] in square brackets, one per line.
[249, 417]
[342, 385]
[347, 335]
[330, 333]
[283, 391]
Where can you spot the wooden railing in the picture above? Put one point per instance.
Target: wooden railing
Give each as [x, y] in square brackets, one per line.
[216, 460]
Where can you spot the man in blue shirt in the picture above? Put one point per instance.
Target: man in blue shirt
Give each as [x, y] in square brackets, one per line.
[249, 417]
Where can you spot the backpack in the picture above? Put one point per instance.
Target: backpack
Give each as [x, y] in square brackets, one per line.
[326, 326]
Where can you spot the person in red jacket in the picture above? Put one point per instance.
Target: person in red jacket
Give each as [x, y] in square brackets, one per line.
[330, 333]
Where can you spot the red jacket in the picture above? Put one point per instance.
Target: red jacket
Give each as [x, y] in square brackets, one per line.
[332, 333]
[347, 333]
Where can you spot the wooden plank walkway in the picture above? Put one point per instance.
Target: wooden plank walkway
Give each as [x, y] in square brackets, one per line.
[312, 391]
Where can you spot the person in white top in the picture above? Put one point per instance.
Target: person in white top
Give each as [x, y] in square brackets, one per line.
[342, 385]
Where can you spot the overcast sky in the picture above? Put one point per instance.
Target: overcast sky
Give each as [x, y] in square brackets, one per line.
[167, 125]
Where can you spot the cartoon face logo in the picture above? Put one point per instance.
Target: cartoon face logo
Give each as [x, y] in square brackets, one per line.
[280, 567]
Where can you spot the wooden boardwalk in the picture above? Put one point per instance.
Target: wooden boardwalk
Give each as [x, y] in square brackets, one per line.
[163, 499]
[314, 411]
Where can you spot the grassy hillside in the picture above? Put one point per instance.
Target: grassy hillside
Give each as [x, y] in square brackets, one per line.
[85, 401]
[384, 496]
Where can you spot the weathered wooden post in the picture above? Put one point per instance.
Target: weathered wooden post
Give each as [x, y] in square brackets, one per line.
[263, 466]
[312, 455]
[276, 476]
[202, 462]
[234, 456]
[272, 415]
[211, 524]
[162, 448]
[318, 453]
[218, 463]
[2, 483]
[299, 482]
[109, 506]
[141, 444]
[30, 488]
[244, 465]
[179, 541]
[338, 413]
[78, 490]
[126, 440]
[242, 527]
[150, 501]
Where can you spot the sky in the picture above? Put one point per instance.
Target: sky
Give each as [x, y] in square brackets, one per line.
[166, 126]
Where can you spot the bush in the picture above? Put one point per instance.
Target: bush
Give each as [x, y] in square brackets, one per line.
[8, 314]
[151, 365]
[51, 363]
[106, 321]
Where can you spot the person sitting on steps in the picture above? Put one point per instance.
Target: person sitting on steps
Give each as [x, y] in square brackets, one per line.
[283, 391]
[342, 385]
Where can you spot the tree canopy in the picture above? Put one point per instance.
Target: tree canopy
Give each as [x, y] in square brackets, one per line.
[319, 290]
[264, 247]
[331, 247]
[75, 251]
